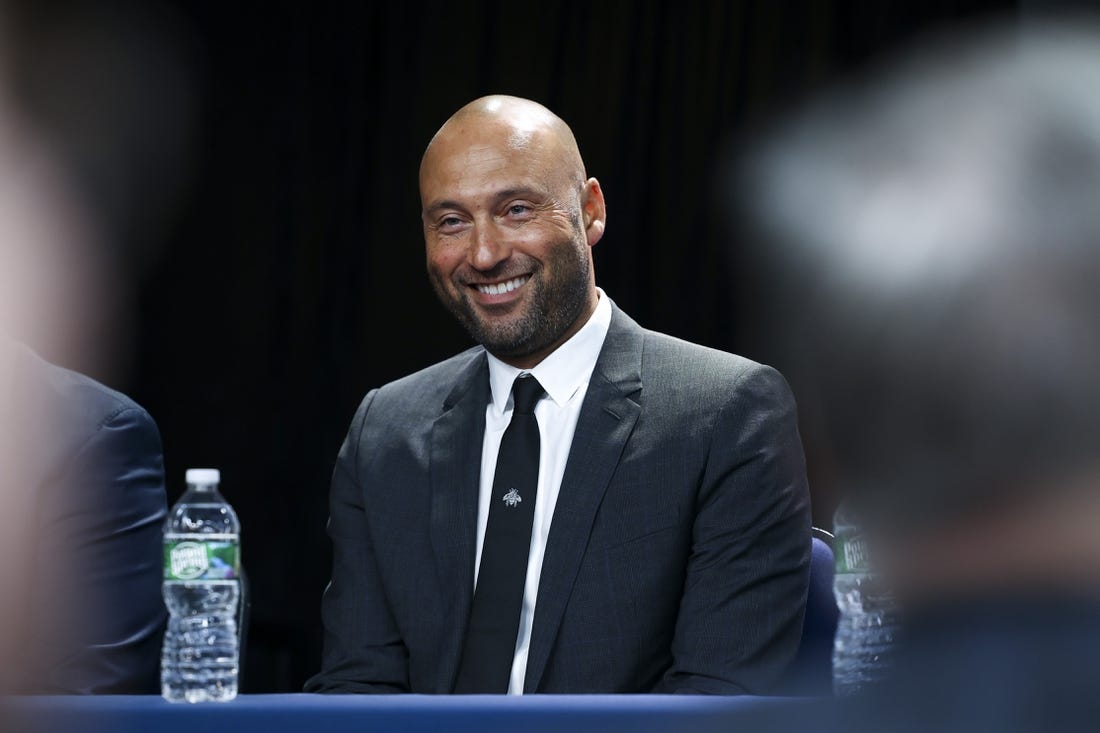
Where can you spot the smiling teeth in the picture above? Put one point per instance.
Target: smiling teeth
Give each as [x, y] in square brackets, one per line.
[504, 287]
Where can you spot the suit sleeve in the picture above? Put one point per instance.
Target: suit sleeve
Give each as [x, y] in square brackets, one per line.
[740, 616]
[363, 650]
[102, 614]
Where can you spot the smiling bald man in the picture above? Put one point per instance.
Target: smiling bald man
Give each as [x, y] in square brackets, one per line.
[666, 538]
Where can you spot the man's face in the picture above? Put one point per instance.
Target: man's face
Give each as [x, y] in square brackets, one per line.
[507, 249]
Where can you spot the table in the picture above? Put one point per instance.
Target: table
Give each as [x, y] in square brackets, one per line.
[290, 713]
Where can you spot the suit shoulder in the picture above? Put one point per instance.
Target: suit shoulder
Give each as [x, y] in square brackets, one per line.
[91, 450]
[429, 386]
[76, 398]
[438, 376]
[669, 357]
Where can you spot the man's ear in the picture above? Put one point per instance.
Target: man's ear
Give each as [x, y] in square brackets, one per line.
[594, 211]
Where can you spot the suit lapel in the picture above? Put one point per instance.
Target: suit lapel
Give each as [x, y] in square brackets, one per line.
[607, 419]
[455, 468]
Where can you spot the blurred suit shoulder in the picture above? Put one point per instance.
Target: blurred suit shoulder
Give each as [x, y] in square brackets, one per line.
[91, 471]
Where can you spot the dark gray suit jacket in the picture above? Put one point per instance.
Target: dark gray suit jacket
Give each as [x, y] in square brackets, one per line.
[677, 559]
[83, 464]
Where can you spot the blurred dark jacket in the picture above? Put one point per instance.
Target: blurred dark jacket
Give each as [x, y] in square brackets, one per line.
[84, 486]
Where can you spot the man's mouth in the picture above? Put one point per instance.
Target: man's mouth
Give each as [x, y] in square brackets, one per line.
[505, 287]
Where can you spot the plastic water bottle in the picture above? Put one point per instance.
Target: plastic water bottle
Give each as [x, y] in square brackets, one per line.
[868, 612]
[199, 660]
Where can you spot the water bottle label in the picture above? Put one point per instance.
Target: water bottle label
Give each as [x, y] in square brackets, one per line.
[201, 560]
[854, 558]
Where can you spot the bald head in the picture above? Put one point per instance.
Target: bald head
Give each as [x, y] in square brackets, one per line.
[518, 124]
[509, 224]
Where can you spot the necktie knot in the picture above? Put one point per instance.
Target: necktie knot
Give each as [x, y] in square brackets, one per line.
[526, 391]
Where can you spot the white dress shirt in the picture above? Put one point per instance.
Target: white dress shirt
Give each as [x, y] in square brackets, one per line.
[564, 374]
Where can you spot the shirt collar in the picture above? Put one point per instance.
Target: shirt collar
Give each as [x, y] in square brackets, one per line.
[565, 370]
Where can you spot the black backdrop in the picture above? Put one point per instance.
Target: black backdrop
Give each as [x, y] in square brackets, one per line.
[289, 277]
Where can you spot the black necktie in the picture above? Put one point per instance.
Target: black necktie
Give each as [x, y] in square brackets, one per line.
[490, 643]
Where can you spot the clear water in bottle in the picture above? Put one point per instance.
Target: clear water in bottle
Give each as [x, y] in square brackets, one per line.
[199, 660]
[867, 625]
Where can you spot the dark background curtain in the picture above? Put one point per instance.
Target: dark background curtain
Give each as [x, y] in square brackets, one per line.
[282, 276]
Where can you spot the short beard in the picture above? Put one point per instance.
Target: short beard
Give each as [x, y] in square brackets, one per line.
[555, 306]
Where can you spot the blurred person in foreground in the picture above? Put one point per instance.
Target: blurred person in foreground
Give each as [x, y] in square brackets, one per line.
[931, 244]
[81, 472]
[669, 542]
[82, 494]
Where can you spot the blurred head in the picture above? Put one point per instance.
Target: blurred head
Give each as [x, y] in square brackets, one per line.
[97, 107]
[93, 121]
[509, 221]
[931, 242]
[50, 278]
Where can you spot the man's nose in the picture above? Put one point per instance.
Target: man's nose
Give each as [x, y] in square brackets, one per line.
[487, 247]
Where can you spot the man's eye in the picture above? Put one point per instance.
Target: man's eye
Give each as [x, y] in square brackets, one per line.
[518, 209]
[450, 222]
